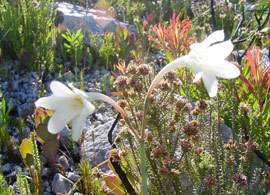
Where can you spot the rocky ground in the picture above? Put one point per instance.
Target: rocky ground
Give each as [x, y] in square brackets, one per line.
[20, 90]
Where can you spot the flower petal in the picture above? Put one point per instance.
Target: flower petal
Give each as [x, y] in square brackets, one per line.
[77, 91]
[52, 102]
[59, 89]
[77, 126]
[211, 83]
[222, 69]
[220, 51]
[198, 76]
[60, 118]
[88, 107]
[216, 36]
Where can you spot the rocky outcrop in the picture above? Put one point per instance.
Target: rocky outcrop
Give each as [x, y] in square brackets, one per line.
[92, 20]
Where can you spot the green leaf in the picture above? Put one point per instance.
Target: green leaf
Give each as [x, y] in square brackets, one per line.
[67, 46]
[78, 33]
[26, 147]
[114, 183]
[43, 135]
[29, 160]
[40, 116]
[50, 149]
[26, 150]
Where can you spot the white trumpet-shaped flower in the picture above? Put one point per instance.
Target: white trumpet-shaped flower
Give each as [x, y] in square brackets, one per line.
[68, 105]
[207, 61]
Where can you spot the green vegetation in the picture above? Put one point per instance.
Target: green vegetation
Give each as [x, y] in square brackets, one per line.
[187, 146]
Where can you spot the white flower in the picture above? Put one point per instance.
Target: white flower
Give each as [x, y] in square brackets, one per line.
[207, 61]
[68, 105]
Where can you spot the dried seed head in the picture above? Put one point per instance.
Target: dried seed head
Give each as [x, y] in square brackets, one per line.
[164, 85]
[115, 154]
[175, 172]
[243, 159]
[122, 121]
[121, 82]
[163, 171]
[228, 145]
[267, 183]
[97, 172]
[210, 181]
[151, 99]
[171, 76]
[122, 103]
[199, 151]
[240, 180]
[138, 86]
[131, 94]
[232, 160]
[148, 136]
[159, 151]
[196, 137]
[173, 128]
[117, 138]
[171, 123]
[251, 146]
[165, 161]
[164, 106]
[105, 190]
[180, 104]
[143, 69]
[176, 83]
[186, 145]
[125, 94]
[244, 108]
[266, 175]
[123, 153]
[188, 107]
[131, 69]
[195, 111]
[191, 128]
[202, 104]
[132, 81]
[139, 115]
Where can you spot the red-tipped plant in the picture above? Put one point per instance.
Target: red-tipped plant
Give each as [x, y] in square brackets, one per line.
[255, 77]
[173, 38]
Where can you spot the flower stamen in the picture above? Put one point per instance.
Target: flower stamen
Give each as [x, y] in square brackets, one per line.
[79, 100]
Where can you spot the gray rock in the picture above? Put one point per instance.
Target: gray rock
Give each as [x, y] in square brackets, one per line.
[101, 145]
[45, 184]
[11, 175]
[6, 168]
[64, 136]
[45, 172]
[75, 17]
[61, 184]
[73, 177]
[64, 162]
[49, 189]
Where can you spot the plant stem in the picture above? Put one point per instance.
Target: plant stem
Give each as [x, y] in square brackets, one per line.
[143, 168]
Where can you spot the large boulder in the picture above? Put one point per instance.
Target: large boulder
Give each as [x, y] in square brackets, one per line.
[92, 20]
